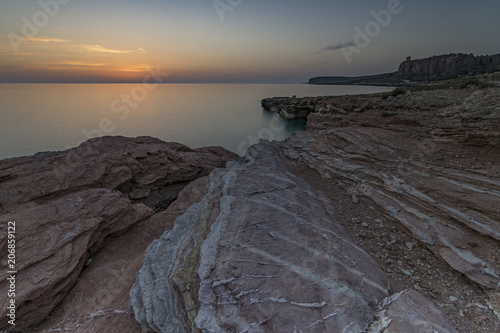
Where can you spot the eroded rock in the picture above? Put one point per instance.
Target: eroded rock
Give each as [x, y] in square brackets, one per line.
[410, 312]
[429, 161]
[259, 253]
[68, 205]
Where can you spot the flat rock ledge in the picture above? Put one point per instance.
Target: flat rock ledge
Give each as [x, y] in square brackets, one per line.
[262, 252]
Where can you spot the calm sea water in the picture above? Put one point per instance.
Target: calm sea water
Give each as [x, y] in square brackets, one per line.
[48, 117]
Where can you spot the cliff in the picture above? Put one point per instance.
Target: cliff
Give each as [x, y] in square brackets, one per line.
[450, 65]
[388, 79]
[421, 70]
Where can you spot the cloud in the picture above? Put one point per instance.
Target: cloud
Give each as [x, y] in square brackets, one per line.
[66, 65]
[81, 64]
[46, 40]
[43, 41]
[17, 54]
[339, 46]
[77, 65]
[102, 49]
[135, 68]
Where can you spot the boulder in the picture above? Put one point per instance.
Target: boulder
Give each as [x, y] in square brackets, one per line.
[68, 205]
[259, 253]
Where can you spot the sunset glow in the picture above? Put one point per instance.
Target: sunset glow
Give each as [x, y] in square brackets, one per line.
[256, 41]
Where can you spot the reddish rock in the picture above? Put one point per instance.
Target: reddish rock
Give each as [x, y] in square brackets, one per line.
[425, 181]
[99, 300]
[68, 205]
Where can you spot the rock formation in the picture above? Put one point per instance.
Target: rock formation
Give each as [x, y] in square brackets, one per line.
[381, 217]
[200, 276]
[407, 311]
[429, 161]
[421, 70]
[259, 253]
[450, 65]
[290, 108]
[69, 205]
[264, 251]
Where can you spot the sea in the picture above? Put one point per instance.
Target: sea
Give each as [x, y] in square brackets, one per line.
[54, 117]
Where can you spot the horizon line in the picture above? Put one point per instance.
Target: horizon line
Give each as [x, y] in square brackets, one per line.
[140, 82]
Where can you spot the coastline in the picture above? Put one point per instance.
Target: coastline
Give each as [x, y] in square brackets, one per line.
[394, 173]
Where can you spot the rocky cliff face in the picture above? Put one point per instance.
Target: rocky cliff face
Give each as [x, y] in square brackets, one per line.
[421, 70]
[94, 203]
[450, 65]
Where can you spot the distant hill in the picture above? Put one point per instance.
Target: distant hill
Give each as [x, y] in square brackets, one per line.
[423, 70]
[388, 79]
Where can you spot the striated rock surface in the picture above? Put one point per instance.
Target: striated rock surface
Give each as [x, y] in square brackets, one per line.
[69, 206]
[259, 253]
[409, 311]
[424, 171]
[263, 252]
[430, 163]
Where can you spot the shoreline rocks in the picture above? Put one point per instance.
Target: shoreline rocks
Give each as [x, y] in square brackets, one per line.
[69, 205]
[258, 253]
[381, 217]
[427, 161]
[263, 252]
[290, 108]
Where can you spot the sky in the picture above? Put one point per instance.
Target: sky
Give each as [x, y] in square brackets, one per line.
[233, 41]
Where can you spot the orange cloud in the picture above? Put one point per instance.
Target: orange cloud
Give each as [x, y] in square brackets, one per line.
[46, 40]
[82, 64]
[102, 49]
[75, 65]
[135, 68]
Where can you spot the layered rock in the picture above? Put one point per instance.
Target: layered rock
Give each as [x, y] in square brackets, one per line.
[449, 65]
[427, 160]
[262, 252]
[439, 202]
[69, 205]
[283, 240]
[259, 253]
[406, 311]
[430, 69]
[99, 300]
